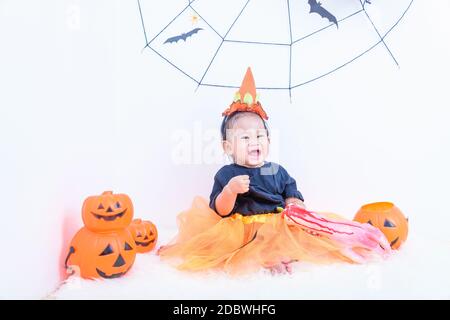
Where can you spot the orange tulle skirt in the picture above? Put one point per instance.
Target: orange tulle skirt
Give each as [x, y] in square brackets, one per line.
[242, 244]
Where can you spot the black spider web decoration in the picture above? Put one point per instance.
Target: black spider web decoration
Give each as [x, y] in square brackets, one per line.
[224, 39]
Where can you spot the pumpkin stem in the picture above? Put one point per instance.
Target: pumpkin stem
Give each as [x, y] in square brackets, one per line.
[71, 251]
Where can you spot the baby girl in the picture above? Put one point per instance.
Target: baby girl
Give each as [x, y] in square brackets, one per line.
[246, 226]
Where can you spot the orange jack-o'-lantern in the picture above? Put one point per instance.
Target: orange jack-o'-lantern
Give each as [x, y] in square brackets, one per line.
[106, 255]
[386, 217]
[107, 212]
[144, 234]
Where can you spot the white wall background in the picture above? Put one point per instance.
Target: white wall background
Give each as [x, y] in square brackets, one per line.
[82, 110]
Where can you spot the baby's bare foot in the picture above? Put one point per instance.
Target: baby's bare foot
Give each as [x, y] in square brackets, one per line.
[282, 268]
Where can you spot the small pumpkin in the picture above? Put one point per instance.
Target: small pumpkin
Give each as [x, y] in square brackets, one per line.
[107, 212]
[101, 255]
[386, 217]
[144, 234]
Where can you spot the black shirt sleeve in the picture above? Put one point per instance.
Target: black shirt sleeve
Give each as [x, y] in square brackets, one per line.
[216, 190]
[290, 186]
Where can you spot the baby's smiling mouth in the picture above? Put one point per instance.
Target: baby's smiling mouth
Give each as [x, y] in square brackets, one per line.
[254, 152]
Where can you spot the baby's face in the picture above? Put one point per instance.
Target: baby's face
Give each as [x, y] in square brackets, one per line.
[247, 141]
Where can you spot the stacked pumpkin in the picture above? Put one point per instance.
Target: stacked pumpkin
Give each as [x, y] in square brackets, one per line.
[106, 246]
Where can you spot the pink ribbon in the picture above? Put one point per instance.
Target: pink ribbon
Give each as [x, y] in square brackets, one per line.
[349, 234]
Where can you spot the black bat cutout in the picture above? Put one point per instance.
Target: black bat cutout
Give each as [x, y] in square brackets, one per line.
[183, 36]
[324, 13]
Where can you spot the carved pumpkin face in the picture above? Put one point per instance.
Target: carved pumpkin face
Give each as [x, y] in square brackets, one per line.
[107, 212]
[144, 234]
[386, 217]
[105, 255]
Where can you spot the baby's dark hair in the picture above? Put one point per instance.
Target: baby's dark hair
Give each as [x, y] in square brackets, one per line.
[229, 121]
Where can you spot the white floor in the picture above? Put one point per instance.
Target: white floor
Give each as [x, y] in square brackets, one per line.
[419, 271]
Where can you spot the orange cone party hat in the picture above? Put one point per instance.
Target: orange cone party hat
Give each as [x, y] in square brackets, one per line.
[246, 98]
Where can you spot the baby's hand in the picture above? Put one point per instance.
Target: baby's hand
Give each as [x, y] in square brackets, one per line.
[239, 184]
[295, 201]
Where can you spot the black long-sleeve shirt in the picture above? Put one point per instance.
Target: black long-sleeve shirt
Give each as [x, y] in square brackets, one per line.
[270, 185]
